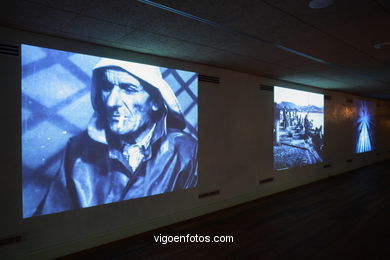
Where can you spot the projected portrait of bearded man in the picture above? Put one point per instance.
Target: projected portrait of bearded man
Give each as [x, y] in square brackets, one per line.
[134, 145]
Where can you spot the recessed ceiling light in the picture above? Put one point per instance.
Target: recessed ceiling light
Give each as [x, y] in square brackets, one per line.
[382, 45]
[317, 4]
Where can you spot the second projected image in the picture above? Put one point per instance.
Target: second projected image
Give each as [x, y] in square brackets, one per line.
[364, 126]
[298, 128]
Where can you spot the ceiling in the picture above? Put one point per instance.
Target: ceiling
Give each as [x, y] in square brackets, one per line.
[330, 48]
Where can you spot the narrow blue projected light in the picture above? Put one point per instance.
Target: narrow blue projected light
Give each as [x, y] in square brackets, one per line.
[364, 141]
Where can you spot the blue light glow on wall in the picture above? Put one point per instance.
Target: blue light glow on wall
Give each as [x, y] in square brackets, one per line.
[364, 127]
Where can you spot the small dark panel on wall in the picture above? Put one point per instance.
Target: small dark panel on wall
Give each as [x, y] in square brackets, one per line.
[377, 154]
[209, 79]
[208, 194]
[11, 50]
[349, 101]
[327, 165]
[266, 88]
[349, 160]
[266, 180]
[10, 240]
[328, 97]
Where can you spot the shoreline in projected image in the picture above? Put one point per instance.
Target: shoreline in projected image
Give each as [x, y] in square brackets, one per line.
[97, 130]
[364, 127]
[298, 128]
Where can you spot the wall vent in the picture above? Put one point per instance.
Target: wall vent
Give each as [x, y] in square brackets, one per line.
[209, 79]
[11, 50]
[208, 194]
[266, 88]
[10, 240]
[266, 180]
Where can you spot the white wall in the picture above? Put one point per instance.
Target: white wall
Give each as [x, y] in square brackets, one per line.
[235, 153]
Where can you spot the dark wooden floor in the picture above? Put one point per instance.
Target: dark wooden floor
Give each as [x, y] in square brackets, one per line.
[344, 217]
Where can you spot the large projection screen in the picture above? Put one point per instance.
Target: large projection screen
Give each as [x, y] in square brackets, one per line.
[364, 126]
[98, 130]
[298, 128]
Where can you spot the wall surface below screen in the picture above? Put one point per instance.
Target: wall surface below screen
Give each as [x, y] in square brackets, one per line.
[236, 121]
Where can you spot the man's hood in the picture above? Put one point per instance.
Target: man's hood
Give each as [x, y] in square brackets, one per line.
[152, 75]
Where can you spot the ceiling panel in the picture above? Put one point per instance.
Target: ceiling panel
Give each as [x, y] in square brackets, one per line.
[163, 46]
[95, 28]
[314, 80]
[356, 24]
[123, 12]
[73, 6]
[341, 35]
[209, 37]
[34, 16]
[352, 81]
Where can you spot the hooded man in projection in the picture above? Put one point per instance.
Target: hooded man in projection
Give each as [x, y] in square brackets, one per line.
[134, 145]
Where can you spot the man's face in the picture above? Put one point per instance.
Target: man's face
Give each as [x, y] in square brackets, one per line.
[128, 106]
